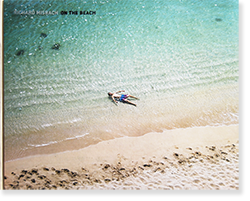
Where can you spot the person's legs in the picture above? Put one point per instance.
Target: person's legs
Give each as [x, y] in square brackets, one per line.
[133, 97]
[125, 100]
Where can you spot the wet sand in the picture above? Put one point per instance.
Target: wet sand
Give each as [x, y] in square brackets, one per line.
[194, 158]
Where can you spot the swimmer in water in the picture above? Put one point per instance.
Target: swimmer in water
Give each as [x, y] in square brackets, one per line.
[121, 97]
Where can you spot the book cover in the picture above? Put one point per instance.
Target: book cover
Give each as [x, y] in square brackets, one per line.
[113, 94]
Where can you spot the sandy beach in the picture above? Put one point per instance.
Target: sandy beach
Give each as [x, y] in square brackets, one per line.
[194, 158]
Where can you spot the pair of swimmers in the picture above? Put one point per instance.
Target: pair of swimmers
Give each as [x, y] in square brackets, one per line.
[121, 97]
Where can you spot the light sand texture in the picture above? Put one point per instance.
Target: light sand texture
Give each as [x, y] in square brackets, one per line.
[194, 158]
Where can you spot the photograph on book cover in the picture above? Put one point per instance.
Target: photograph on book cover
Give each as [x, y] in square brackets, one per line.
[135, 94]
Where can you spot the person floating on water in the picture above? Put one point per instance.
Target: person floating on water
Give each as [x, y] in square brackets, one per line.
[121, 97]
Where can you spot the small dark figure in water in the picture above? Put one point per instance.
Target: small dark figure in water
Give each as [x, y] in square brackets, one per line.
[218, 19]
[121, 97]
[43, 35]
[56, 46]
[20, 52]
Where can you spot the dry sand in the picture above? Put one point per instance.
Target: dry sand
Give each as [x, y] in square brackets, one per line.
[194, 158]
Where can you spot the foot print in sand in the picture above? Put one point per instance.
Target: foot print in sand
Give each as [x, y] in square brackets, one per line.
[216, 168]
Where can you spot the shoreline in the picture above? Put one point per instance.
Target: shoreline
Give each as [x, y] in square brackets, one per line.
[173, 113]
[137, 161]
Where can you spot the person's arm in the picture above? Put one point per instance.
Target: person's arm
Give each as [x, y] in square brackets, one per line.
[120, 91]
[113, 99]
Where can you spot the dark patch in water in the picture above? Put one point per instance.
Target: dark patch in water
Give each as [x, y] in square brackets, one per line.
[20, 52]
[56, 46]
[43, 35]
[218, 19]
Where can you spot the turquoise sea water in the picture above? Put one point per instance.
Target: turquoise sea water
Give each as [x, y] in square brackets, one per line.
[179, 57]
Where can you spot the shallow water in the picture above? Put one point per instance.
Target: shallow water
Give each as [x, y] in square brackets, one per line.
[179, 57]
